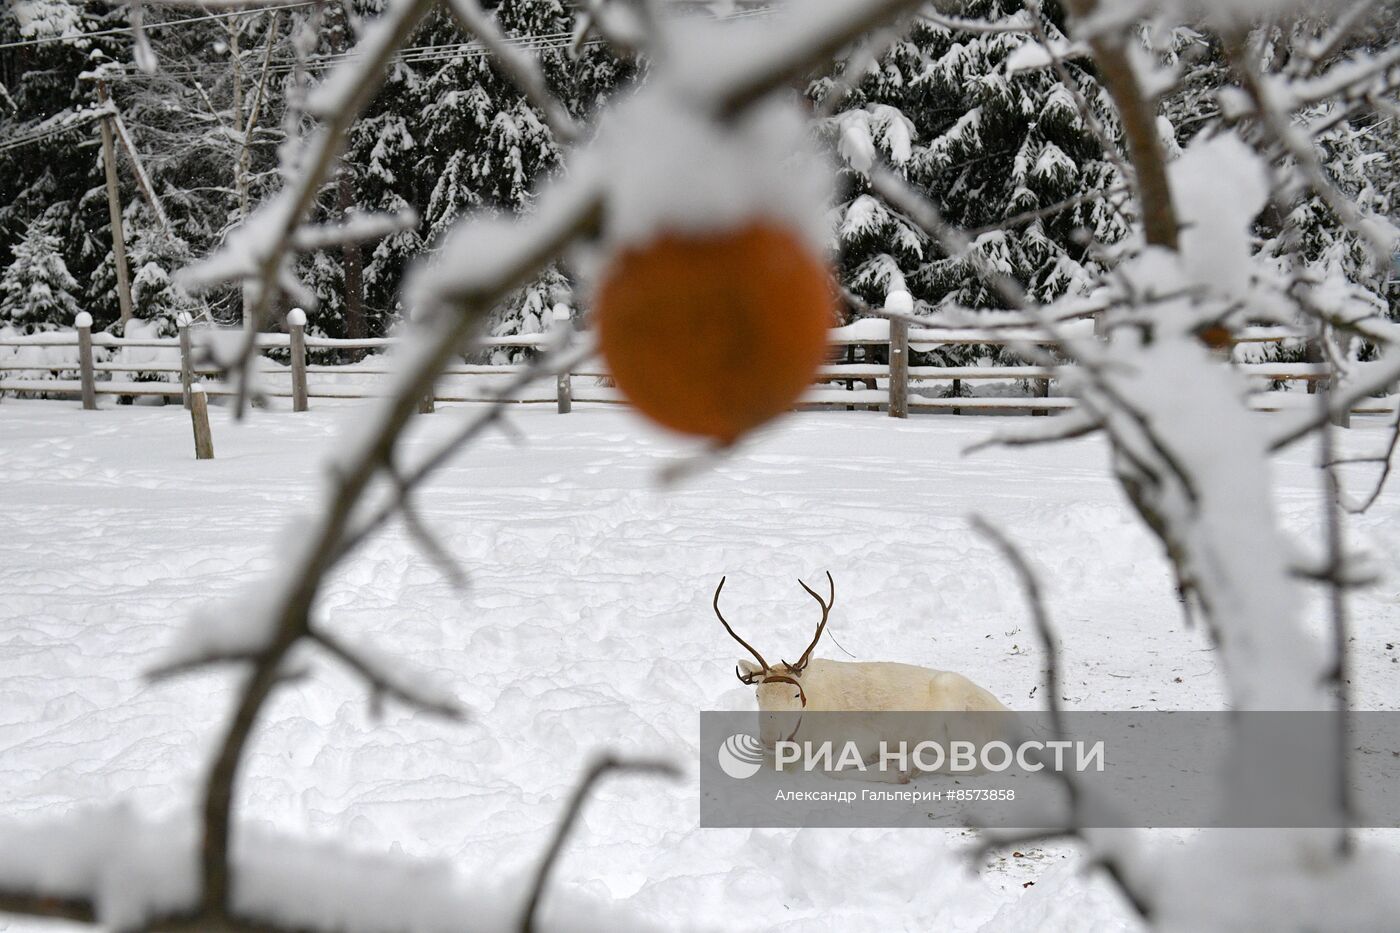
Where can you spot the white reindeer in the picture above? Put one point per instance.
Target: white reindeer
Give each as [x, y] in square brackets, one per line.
[787, 691]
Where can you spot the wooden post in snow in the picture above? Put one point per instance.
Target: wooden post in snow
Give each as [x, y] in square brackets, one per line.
[1042, 390]
[296, 328]
[1312, 353]
[199, 415]
[900, 302]
[562, 324]
[114, 210]
[186, 360]
[86, 371]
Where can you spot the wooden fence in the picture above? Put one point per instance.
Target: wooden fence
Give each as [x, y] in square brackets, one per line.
[882, 380]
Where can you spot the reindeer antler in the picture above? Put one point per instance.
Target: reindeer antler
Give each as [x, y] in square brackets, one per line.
[728, 628]
[826, 611]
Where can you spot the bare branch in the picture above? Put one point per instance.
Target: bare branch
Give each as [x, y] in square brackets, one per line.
[1071, 84]
[446, 332]
[1331, 43]
[179, 668]
[382, 682]
[1332, 522]
[791, 62]
[423, 535]
[1139, 121]
[604, 766]
[1030, 585]
[1386, 460]
[30, 904]
[1377, 377]
[1066, 428]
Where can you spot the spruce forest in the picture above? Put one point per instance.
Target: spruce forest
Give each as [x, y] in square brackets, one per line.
[1007, 149]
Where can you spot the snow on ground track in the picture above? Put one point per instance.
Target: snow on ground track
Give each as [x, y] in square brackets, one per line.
[587, 625]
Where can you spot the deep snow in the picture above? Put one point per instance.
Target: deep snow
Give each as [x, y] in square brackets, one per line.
[587, 625]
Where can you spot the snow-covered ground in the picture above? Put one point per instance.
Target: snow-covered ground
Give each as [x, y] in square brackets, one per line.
[587, 626]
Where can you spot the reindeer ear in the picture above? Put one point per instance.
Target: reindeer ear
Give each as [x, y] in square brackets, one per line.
[749, 669]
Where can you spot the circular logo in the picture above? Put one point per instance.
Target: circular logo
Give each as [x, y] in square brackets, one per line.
[741, 756]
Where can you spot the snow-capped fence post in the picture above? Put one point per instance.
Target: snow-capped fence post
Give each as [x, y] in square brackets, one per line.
[86, 372]
[199, 415]
[562, 325]
[296, 329]
[186, 360]
[902, 303]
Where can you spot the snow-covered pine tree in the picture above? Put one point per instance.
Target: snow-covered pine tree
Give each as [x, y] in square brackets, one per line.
[1359, 153]
[50, 178]
[37, 292]
[985, 143]
[449, 134]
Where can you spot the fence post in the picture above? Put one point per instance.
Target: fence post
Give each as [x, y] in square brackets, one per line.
[1042, 390]
[900, 302]
[428, 403]
[1313, 354]
[1342, 417]
[199, 415]
[562, 324]
[186, 359]
[296, 329]
[86, 373]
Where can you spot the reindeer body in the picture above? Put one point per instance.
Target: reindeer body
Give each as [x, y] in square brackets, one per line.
[877, 686]
[787, 692]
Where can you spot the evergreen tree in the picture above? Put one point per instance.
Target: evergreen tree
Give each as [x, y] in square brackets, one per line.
[50, 178]
[1359, 154]
[985, 142]
[451, 135]
[37, 292]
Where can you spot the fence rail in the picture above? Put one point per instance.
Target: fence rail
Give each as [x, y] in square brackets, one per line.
[894, 386]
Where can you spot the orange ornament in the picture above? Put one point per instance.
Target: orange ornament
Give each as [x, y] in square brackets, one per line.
[714, 334]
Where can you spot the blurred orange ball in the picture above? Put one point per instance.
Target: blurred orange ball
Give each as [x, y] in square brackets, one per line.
[714, 334]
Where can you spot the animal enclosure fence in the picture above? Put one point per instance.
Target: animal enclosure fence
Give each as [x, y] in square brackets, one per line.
[871, 368]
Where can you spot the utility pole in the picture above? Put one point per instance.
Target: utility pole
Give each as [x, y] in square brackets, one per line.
[114, 207]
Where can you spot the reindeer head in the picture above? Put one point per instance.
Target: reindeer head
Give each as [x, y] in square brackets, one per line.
[780, 694]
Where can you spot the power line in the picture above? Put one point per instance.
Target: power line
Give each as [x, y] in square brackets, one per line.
[120, 30]
[416, 54]
[412, 55]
